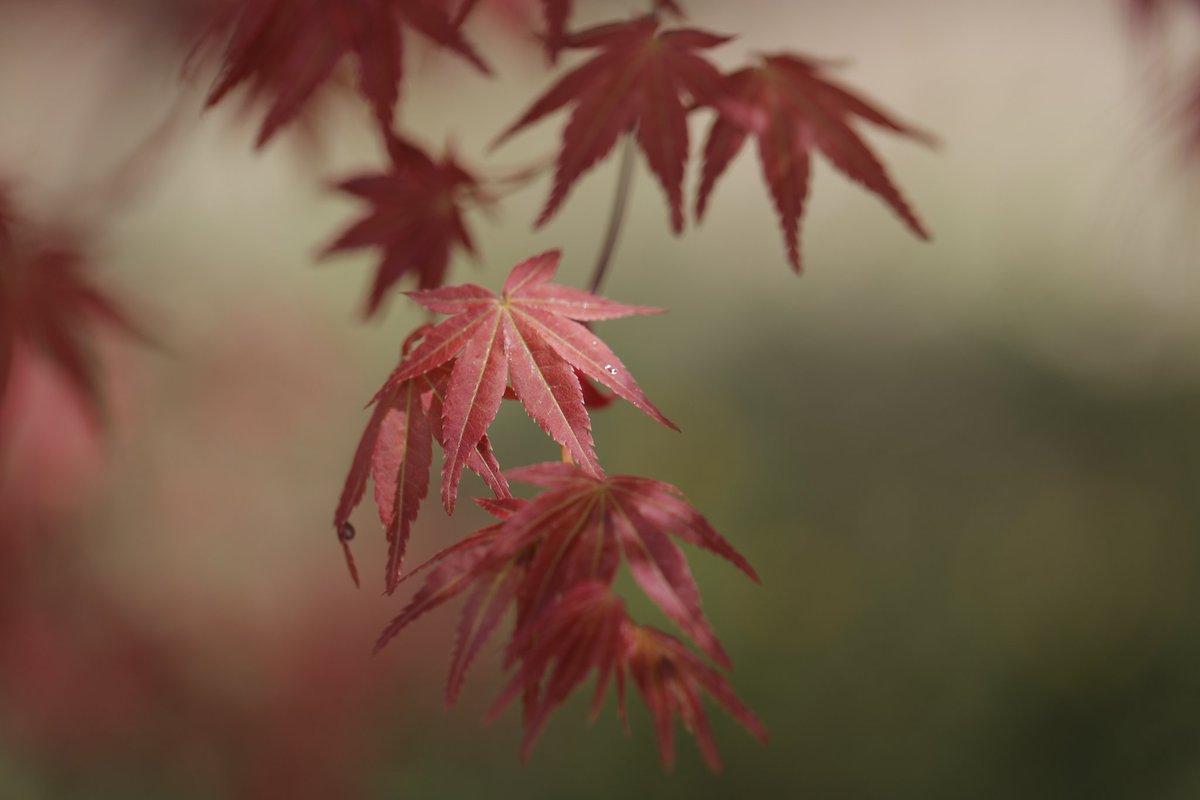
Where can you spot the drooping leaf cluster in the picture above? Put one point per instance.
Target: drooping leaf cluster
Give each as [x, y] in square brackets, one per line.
[549, 562]
[530, 343]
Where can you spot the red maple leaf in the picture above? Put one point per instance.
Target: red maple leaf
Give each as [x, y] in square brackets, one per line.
[639, 82]
[415, 217]
[288, 48]
[584, 524]
[672, 681]
[575, 533]
[47, 303]
[586, 629]
[396, 452]
[514, 13]
[528, 334]
[791, 108]
[492, 582]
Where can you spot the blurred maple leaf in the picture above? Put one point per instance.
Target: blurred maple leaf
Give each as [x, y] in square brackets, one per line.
[47, 303]
[637, 83]
[415, 217]
[288, 48]
[791, 108]
[493, 582]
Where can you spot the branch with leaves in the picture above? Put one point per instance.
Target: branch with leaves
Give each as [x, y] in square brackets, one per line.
[550, 561]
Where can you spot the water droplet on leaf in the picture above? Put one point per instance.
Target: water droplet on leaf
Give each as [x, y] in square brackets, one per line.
[346, 532]
[610, 369]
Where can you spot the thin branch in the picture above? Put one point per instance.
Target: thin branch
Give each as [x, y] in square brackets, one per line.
[616, 216]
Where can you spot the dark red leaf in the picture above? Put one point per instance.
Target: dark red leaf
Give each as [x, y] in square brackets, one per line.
[640, 82]
[492, 581]
[790, 107]
[587, 629]
[485, 608]
[47, 303]
[286, 49]
[582, 524]
[450, 573]
[671, 679]
[416, 218]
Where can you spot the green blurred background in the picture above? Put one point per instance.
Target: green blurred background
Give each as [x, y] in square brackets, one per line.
[967, 471]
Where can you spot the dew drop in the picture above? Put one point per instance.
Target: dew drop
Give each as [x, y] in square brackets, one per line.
[346, 532]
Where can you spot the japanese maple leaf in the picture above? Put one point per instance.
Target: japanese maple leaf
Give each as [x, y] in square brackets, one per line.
[672, 680]
[554, 558]
[529, 334]
[396, 452]
[791, 108]
[289, 48]
[583, 630]
[588, 629]
[583, 524]
[641, 82]
[491, 584]
[415, 217]
[575, 531]
[47, 303]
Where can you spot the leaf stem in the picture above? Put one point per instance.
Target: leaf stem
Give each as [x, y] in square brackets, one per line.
[616, 215]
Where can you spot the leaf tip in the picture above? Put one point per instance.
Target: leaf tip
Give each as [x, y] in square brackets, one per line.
[345, 532]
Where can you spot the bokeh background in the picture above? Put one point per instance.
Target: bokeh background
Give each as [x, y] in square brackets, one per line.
[968, 471]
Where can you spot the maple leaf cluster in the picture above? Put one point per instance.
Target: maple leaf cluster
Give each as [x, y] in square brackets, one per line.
[643, 81]
[551, 559]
